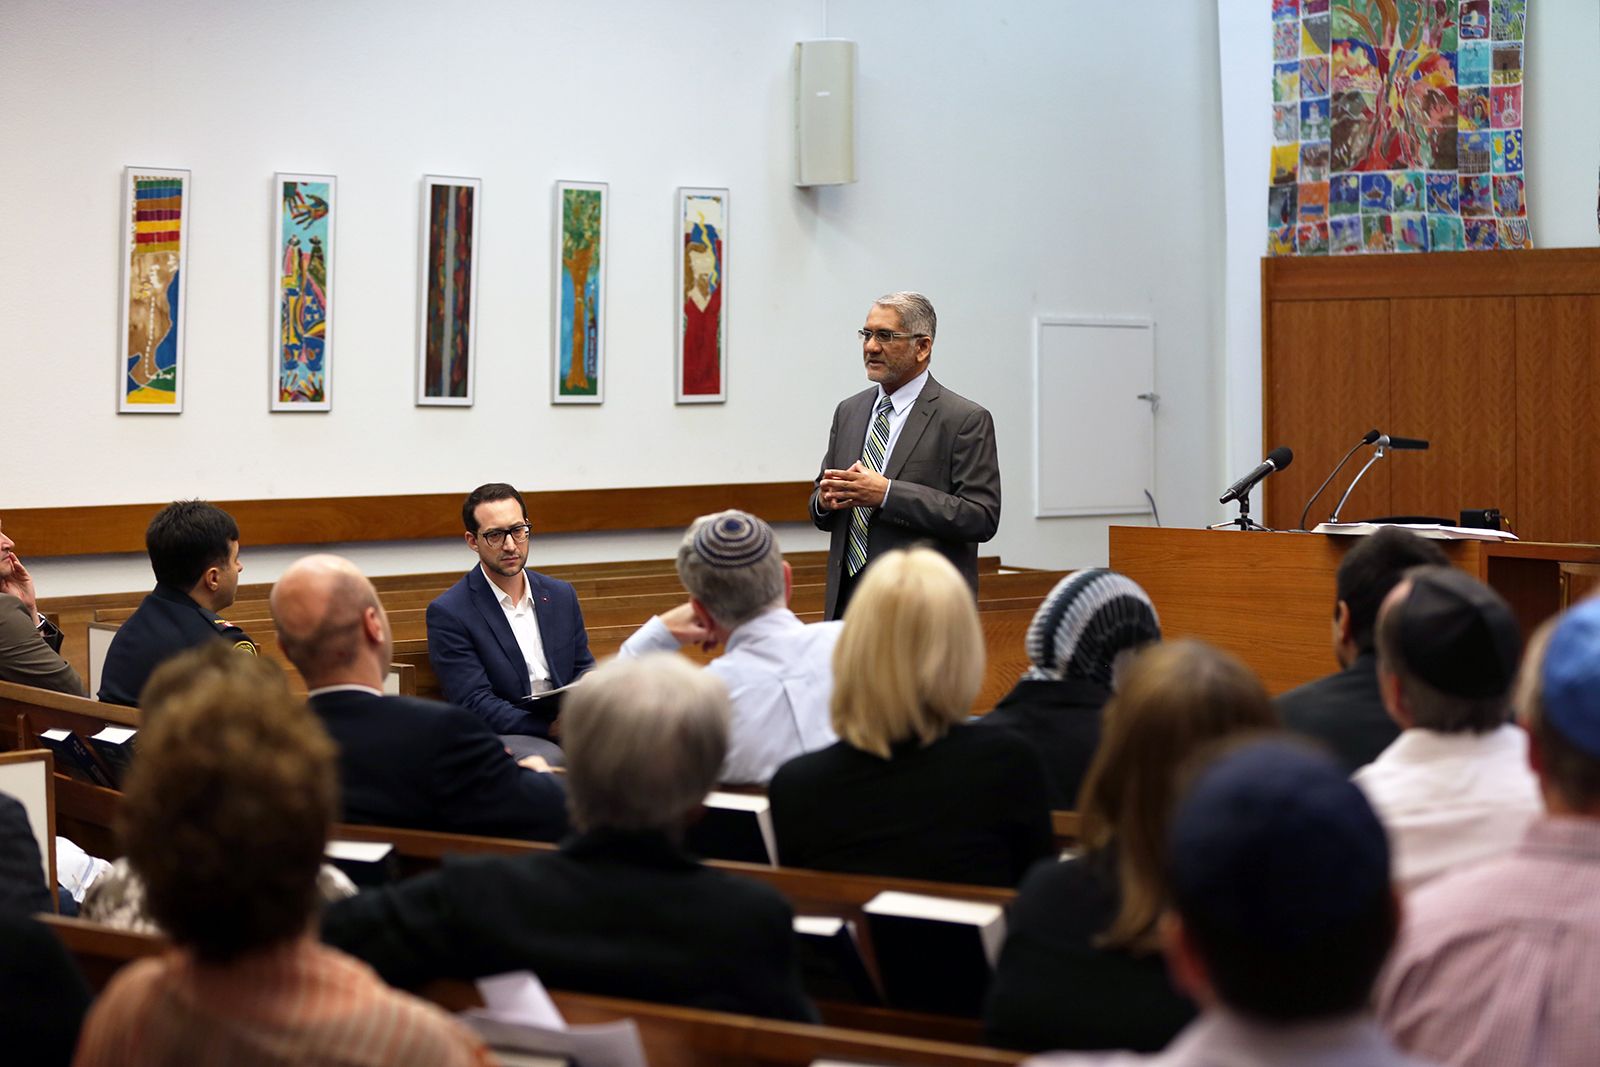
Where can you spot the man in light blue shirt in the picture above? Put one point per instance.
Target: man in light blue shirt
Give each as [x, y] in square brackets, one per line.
[778, 670]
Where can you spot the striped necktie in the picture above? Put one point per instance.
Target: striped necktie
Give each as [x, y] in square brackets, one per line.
[872, 459]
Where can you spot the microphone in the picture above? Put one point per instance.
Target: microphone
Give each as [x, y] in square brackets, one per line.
[1276, 460]
[1414, 443]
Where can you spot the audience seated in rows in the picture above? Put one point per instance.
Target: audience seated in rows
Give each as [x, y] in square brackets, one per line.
[194, 551]
[1081, 966]
[778, 670]
[403, 761]
[117, 897]
[1499, 964]
[30, 644]
[1086, 624]
[1282, 915]
[504, 633]
[620, 909]
[1455, 787]
[1345, 710]
[905, 791]
[225, 818]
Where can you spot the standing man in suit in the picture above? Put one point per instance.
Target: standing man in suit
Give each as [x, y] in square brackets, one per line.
[504, 634]
[194, 551]
[908, 460]
[403, 761]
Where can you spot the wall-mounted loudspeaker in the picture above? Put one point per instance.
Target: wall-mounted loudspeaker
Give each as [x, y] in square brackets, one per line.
[824, 112]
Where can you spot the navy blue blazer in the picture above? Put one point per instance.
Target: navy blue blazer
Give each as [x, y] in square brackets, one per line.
[426, 765]
[478, 661]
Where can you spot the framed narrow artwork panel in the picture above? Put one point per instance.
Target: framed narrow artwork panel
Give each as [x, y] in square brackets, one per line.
[702, 371]
[448, 313]
[578, 362]
[155, 272]
[302, 263]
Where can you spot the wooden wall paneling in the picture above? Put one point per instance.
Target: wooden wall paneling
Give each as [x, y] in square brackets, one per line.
[1452, 380]
[1558, 399]
[1536, 272]
[94, 530]
[1325, 380]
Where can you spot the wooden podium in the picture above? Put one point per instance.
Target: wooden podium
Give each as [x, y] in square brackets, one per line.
[1268, 597]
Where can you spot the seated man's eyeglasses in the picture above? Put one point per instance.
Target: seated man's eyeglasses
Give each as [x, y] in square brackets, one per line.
[883, 337]
[496, 538]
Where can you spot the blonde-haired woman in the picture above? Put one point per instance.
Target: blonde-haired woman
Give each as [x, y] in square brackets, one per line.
[908, 790]
[1081, 966]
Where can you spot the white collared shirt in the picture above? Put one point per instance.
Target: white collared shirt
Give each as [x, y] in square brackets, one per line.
[900, 402]
[347, 687]
[525, 628]
[1449, 800]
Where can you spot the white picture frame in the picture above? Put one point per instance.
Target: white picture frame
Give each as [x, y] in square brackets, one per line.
[578, 375]
[151, 347]
[315, 217]
[449, 382]
[705, 269]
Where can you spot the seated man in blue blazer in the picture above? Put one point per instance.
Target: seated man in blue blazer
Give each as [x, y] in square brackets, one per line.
[403, 761]
[504, 634]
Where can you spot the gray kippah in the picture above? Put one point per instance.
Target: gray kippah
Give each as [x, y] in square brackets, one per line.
[733, 539]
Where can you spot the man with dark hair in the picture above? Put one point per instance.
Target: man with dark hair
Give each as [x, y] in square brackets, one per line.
[194, 551]
[30, 644]
[1282, 916]
[1455, 787]
[1345, 710]
[778, 670]
[403, 761]
[908, 460]
[1500, 964]
[504, 635]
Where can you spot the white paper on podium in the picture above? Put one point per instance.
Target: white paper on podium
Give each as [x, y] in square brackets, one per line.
[521, 1017]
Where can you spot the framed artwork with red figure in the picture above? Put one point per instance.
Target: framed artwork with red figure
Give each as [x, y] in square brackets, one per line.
[702, 371]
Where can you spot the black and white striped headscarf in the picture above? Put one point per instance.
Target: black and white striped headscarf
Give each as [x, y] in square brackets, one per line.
[1087, 619]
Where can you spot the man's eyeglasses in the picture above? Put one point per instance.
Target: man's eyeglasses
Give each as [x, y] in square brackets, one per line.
[883, 337]
[496, 538]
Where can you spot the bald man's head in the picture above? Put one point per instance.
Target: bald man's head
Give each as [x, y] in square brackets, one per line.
[330, 623]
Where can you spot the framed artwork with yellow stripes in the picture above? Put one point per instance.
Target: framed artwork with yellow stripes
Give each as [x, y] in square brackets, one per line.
[155, 226]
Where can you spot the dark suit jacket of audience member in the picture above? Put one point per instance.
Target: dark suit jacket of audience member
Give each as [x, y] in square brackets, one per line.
[622, 914]
[1055, 989]
[1344, 711]
[1061, 720]
[478, 660]
[23, 889]
[972, 807]
[426, 765]
[43, 996]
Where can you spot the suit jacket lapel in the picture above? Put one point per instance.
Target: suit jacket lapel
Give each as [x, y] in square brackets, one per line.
[486, 599]
[853, 431]
[544, 611]
[922, 413]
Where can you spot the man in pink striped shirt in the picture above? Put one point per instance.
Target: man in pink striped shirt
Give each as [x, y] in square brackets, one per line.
[1500, 964]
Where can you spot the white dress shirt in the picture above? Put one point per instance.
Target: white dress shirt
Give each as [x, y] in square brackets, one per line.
[1449, 800]
[1220, 1038]
[525, 628]
[779, 674]
[900, 402]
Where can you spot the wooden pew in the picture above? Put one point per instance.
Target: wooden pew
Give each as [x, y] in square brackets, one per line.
[672, 1036]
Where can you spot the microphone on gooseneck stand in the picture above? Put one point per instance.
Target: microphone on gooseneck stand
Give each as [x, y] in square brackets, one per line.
[1384, 443]
[1276, 460]
[1366, 439]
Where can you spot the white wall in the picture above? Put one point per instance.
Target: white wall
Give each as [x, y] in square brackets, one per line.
[1009, 166]
[1561, 137]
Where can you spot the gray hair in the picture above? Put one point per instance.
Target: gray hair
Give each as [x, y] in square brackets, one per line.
[644, 740]
[916, 312]
[731, 563]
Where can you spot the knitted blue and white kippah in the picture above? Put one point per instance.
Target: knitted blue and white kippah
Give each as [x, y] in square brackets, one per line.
[733, 539]
[1088, 618]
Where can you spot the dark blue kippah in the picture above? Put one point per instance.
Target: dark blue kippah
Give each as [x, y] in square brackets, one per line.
[733, 539]
[1570, 677]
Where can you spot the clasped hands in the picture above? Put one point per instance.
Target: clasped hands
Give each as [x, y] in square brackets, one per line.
[853, 488]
